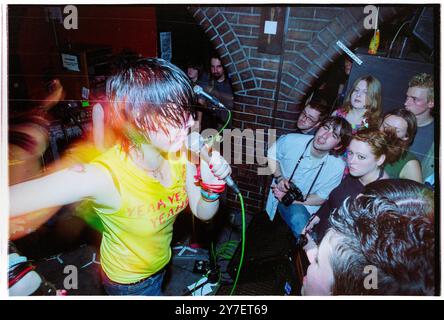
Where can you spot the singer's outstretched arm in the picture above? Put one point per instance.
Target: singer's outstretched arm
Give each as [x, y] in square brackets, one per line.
[64, 187]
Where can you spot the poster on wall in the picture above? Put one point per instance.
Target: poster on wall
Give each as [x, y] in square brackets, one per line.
[165, 46]
[70, 62]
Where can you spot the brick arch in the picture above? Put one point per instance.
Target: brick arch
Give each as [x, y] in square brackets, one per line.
[227, 45]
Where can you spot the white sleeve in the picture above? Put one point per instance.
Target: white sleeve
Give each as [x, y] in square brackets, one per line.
[277, 149]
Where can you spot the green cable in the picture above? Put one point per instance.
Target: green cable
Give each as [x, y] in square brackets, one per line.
[227, 250]
[243, 244]
[243, 211]
[226, 122]
[195, 284]
[227, 247]
[225, 125]
[213, 255]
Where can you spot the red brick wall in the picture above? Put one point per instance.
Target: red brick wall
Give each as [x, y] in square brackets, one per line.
[309, 49]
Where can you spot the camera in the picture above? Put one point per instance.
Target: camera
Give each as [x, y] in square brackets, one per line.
[293, 193]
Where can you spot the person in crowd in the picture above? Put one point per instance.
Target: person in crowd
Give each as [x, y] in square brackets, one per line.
[343, 81]
[367, 155]
[420, 101]
[362, 106]
[403, 124]
[311, 117]
[333, 85]
[310, 167]
[380, 243]
[139, 186]
[194, 72]
[218, 85]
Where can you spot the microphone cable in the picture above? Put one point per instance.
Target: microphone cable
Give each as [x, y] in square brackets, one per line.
[241, 199]
[241, 260]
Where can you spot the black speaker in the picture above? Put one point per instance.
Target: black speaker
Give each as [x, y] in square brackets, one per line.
[394, 75]
[424, 27]
[269, 266]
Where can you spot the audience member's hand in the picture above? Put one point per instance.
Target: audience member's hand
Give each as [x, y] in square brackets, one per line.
[277, 193]
[311, 248]
[283, 185]
[311, 223]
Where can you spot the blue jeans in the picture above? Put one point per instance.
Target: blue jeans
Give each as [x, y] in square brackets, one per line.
[296, 216]
[150, 286]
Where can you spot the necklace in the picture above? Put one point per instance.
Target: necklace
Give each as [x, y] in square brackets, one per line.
[156, 173]
[138, 158]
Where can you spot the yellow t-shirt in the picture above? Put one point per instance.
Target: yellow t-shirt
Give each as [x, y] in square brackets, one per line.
[136, 238]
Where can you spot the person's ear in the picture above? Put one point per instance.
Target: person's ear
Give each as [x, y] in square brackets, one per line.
[381, 160]
[339, 146]
[431, 104]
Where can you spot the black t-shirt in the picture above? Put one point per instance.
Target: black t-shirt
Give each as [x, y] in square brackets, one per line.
[349, 187]
[216, 117]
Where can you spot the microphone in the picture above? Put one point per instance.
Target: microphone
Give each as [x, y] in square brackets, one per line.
[195, 143]
[199, 91]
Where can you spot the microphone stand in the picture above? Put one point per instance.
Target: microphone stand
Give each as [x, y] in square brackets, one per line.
[214, 269]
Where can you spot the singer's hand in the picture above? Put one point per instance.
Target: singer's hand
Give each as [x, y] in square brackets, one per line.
[216, 170]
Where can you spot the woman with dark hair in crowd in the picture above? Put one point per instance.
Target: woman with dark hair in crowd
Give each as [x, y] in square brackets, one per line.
[367, 154]
[362, 106]
[403, 124]
[140, 185]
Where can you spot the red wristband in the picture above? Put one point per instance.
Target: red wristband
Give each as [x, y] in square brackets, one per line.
[213, 188]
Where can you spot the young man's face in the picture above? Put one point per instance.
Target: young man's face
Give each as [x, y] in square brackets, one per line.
[217, 70]
[327, 139]
[416, 101]
[319, 278]
[308, 119]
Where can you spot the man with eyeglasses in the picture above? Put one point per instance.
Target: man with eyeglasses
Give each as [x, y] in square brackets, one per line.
[310, 117]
